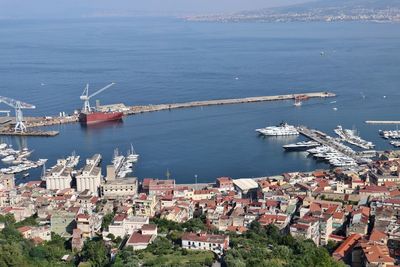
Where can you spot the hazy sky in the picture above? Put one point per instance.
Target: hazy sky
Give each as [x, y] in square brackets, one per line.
[82, 8]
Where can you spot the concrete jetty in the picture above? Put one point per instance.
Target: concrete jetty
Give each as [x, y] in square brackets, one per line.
[29, 133]
[151, 108]
[382, 122]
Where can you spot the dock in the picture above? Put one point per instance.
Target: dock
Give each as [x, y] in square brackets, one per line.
[29, 133]
[152, 108]
[326, 140]
[382, 122]
[50, 121]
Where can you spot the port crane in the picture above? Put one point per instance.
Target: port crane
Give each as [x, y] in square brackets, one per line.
[18, 106]
[85, 97]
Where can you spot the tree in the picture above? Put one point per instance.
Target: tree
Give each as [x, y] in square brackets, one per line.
[111, 236]
[331, 246]
[107, 219]
[7, 219]
[10, 255]
[126, 258]
[11, 234]
[30, 221]
[194, 225]
[268, 246]
[95, 252]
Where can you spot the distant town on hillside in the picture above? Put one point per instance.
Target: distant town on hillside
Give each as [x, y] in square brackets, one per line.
[321, 10]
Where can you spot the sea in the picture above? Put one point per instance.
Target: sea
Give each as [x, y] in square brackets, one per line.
[166, 60]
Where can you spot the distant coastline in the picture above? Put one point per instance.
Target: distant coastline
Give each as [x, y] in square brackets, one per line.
[321, 11]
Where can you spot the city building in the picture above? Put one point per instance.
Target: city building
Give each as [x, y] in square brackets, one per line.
[59, 177]
[7, 181]
[204, 241]
[77, 240]
[63, 223]
[225, 184]
[115, 188]
[247, 188]
[123, 225]
[141, 239]
[90, 177]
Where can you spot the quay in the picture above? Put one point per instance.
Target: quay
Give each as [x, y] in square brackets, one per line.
[50, 121]
[326, 140]
[29, 133]
[382, 122]
[151, 108]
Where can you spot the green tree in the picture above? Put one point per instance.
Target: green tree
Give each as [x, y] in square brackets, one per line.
[7, 219]
[95, 252]
[30, 221]
[10, 255]
[126, 258]
[107, 219]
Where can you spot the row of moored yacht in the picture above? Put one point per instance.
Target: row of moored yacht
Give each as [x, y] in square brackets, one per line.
[351, 137]
[333, 156]
[124, 164]
[390, 134]
[17, 160]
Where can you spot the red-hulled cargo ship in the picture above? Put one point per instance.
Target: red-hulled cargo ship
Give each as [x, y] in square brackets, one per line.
[97, 117]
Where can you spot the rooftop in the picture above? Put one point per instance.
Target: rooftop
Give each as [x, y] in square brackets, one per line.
[245, 184]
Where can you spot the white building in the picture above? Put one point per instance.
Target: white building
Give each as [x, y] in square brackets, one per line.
[203, 241]
[90, 178]
[59, 177]
[123, 225]
[119, 188]
[247, 188]
[140, 240]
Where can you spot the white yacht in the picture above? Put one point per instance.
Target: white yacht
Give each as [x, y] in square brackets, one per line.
[9, 158]
[301, 146]
[283, 129]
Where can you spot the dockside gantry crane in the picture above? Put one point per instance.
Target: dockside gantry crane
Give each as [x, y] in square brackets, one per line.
[86, 97]
[18, 106]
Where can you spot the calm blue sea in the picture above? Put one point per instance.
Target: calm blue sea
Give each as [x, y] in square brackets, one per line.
[159, 60]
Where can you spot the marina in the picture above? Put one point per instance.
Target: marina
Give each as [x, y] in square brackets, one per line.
[390, 134]
[321, 146]
[351, 137]
[335, 152]
[123, 165]
[17, 161]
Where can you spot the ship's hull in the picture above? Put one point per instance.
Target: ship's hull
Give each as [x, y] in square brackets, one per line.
[298, 148]
[97, 117]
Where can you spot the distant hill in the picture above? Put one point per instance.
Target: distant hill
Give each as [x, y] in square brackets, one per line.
[321, 10]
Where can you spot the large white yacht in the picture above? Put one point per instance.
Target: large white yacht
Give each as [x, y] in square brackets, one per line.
[283, 129]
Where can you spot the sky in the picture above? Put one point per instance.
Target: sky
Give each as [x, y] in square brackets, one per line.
[16, 9]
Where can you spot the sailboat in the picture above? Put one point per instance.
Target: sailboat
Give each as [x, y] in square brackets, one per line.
[297, 102]
[132, 156]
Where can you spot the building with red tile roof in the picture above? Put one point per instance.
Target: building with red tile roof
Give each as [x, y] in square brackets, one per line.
[346, 247]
